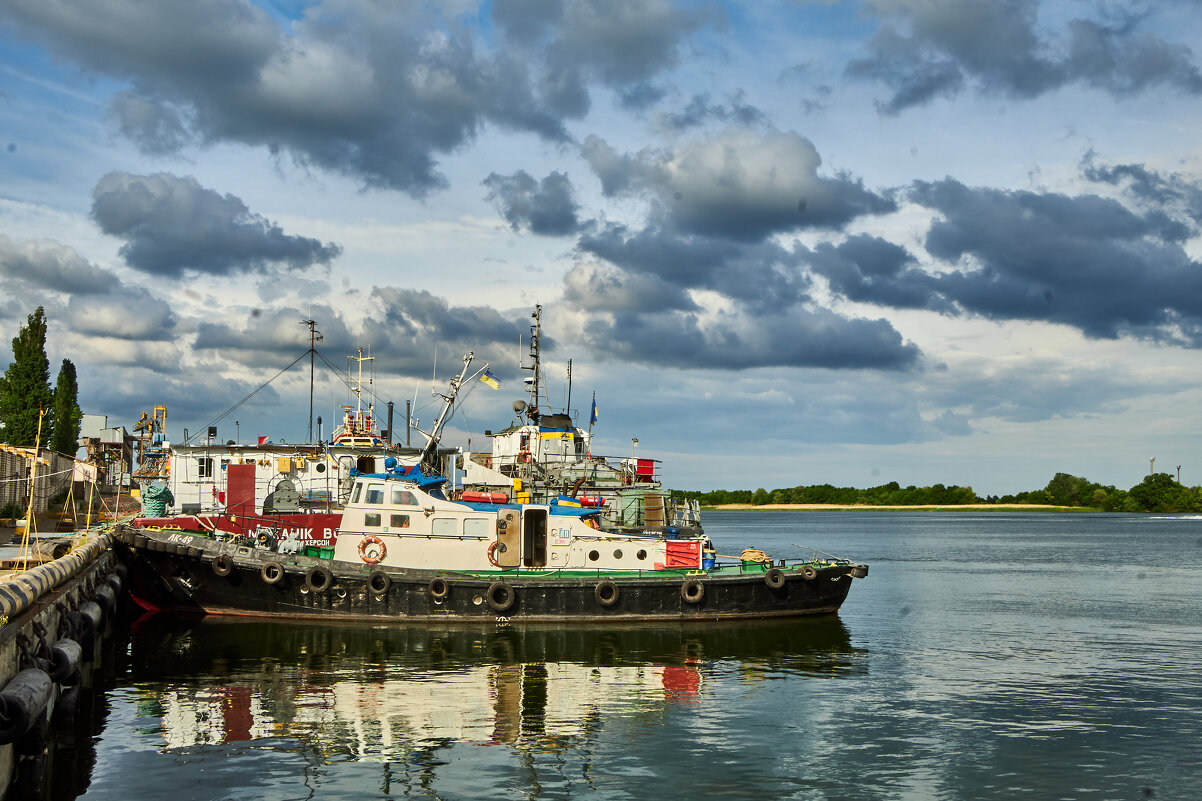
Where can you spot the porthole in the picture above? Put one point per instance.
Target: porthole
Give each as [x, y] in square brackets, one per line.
[618, 553]
[641, 554]
[321, 467]
[593, 556]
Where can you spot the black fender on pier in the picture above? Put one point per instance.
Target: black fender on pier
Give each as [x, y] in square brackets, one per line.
[22, 701]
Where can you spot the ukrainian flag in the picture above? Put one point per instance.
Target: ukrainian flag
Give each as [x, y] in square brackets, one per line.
[488, 378]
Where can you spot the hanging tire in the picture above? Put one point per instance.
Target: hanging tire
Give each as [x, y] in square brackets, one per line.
[500, 596]
[318, 579]
[379, 583]
[692, 591]
[809, 572]
[774, 578]
[606, 592]
[272, 572]
[223, 565]
[439, 589]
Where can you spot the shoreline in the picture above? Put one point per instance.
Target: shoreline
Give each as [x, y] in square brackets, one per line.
[833, 507]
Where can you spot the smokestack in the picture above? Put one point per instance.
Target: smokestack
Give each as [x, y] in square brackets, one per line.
[389, 422]
[319, 428]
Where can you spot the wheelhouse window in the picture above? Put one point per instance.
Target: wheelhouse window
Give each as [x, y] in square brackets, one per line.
[375, 493]
[446, 526]
[400, 521]
[356, 493]
[204, 467]
[371, 519]
[403, 497]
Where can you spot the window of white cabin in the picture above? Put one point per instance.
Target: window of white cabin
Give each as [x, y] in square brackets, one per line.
[355, 494]
[477, 527]
[371, 519]
[375, 493]
[446, 526]
[204, 467]
[403, 497]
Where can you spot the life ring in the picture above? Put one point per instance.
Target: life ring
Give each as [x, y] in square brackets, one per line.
[500, 596]
[272, 572]
[606, 592]
[774, 578]
[493, 549]
[372, 550]
[318, 579]
[809, 572]
[439, 589]
[223, 565]
[692, 591]
[379, 582]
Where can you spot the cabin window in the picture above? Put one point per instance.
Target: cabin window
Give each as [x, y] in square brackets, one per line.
[371, 519]
[476, 527]
[355, 494]
[401, 497]
[205, 467]
[618, 553]
[641, 554]
[446, 526]
[593, 556]
[375, 493]
[400, 521]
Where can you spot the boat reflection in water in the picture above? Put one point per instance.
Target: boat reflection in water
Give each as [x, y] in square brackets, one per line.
[379, 694]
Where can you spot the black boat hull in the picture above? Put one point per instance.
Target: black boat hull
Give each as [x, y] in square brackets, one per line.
[194, 576]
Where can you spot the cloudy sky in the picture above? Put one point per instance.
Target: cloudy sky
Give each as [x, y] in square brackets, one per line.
[785, 243]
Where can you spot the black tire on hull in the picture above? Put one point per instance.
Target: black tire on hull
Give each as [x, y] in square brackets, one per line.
[606, 592]
[223, 565]
[272, 572]
[439, 589]
[318, 579]
[774, 578]
[379, 583]
[692, 591]
[500, 596]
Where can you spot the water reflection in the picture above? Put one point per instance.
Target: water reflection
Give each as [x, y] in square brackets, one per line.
[378, 693]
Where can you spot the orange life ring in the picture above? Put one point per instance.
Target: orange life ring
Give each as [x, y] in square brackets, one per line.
[375, 555]
[492, 553]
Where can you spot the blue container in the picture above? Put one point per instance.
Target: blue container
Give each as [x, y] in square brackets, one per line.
[707, 559]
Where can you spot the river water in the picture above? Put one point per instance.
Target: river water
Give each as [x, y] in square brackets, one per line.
[986, 656]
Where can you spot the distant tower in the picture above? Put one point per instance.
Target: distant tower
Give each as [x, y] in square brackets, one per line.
[1152, 465]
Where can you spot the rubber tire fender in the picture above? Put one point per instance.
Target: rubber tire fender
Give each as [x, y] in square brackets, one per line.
[223, 564]
[606, 592]
[774, 578]
[500, 596]
[272, 572]
[692, 591]
[318, 578]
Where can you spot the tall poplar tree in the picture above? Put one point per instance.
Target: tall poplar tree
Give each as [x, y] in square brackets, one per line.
[68, 417]
[25, 385]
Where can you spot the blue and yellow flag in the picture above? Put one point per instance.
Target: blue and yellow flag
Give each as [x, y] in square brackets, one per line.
[593, 417]
[490, 379]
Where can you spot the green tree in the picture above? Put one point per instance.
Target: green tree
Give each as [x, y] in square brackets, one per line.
[68, 417]
[25, 385]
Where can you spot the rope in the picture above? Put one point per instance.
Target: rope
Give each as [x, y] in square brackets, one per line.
[754, 555]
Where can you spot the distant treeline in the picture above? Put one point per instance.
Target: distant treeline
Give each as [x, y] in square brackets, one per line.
[1158, 492]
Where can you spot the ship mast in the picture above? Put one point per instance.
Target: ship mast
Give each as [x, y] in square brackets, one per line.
[535, 367]
[357, 424]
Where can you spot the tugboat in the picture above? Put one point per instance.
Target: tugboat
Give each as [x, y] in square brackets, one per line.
[543, 454]
[406, 551]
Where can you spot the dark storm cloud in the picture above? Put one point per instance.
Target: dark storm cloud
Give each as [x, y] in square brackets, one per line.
[372, 91]
[741, 184]
[930, 48]
[547, 207]
[46, 264]
[171, 225]
[270, 339]
[1085, 261]
[763, 275]
[642, 304]
[801, 337]
[872, 270]
[618, 43]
